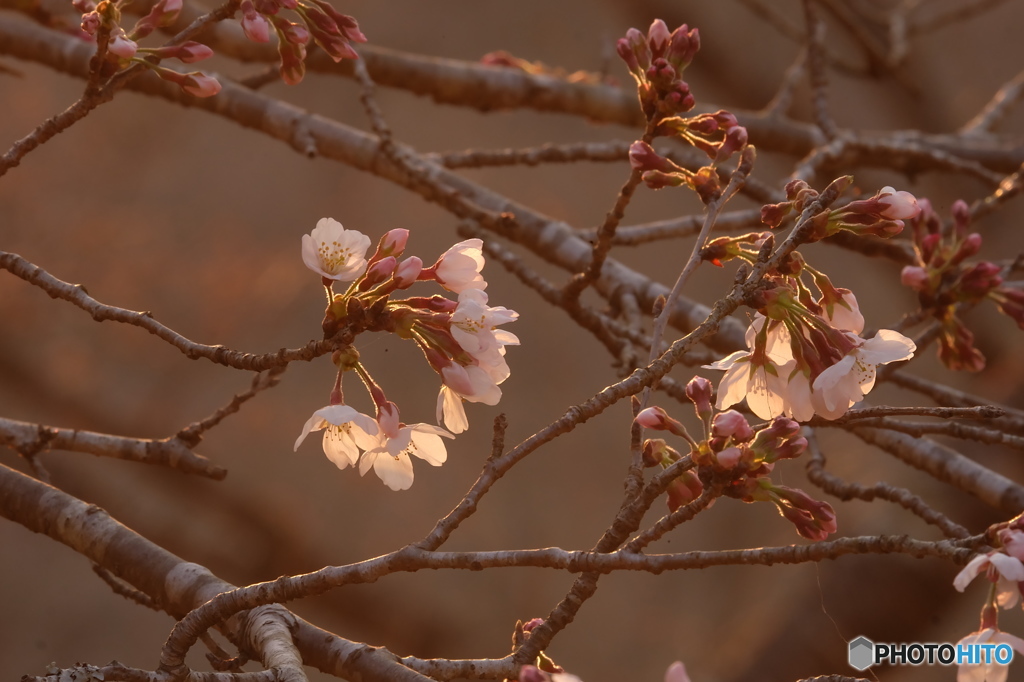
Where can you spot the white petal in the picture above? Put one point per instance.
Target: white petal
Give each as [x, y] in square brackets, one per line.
[339, 448]
[394, 470]
[429, 447]
[1008, 567]
[314, 423]
[887, 346]
[451, 411]
[970, 572]
[733, 386]
[369, 457]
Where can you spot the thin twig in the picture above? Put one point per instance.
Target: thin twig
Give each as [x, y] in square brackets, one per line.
[76, 294]
[846, 491]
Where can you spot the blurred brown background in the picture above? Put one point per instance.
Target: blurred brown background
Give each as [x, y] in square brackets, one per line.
[158, 208]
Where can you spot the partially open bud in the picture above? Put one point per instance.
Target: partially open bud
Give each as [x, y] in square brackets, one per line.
[700, 391]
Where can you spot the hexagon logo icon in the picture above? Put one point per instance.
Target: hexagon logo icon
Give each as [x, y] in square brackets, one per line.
[862, 653]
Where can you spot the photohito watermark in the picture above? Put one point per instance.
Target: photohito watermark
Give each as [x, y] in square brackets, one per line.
[864, 653]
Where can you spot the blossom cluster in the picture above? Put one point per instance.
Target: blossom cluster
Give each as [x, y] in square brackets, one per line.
[944, 279]
[657, 61]
[460, 340]
[805, 355]
[1003, 568]
[741, 458]
[102, 20]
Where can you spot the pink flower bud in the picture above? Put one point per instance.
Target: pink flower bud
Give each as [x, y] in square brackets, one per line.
[898, 205]
[654, 418]
[683, 490]
[200, 84]
[699, 390]
[642, 157]
[729, 457]
[393, 242]
[968, 247]
[658, 38]
[685, 44]
[190, 52]
[677, 671]
[961, 216]
[915, 277]
[407, 272]
[256, 28]
[378, 272]
[731, 424]
[121, 46]
[982, 278]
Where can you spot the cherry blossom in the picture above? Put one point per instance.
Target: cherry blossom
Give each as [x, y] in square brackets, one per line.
[989, 670]
[760, 382]
[390, 459]
[347, 432]
[334, 252]
[474, 324]
[1005, 571]
[846, 382]
[459, 267]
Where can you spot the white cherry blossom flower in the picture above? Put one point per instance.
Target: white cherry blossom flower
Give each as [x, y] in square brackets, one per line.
[761, 384]
[334, 252]
[846, 382]
[390, 459]
[989, 670]
[1008, 571]
[347, 432]
[459, 267]
[474, 324]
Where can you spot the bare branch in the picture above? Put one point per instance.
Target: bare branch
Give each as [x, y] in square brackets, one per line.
[76, 294]
[169, 452]
[950, 466]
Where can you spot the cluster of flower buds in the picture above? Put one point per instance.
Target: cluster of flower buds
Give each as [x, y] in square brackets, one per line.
[882, 215]
[657, 62]
[331, 30]
[460, 340]
[102, 21]
[944, 278]
[658, 172]
[745, 458]
[805, 355]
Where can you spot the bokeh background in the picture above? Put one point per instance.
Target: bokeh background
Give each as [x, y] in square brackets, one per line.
[155, 207]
